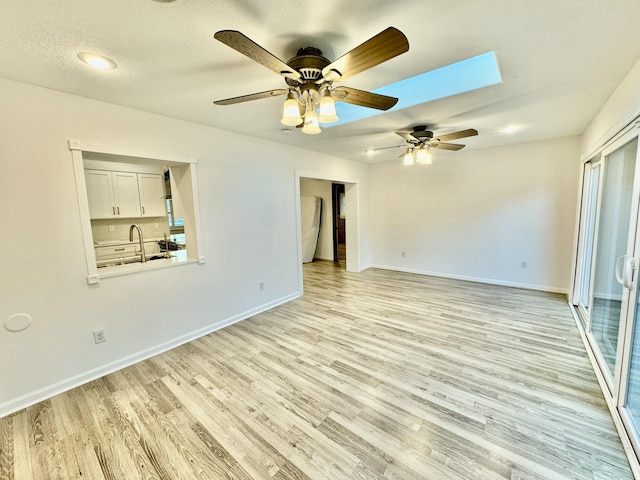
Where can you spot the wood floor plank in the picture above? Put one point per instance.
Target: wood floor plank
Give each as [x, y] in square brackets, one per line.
[7, 447]
[200, 405]
[22, 462]
[376, 375]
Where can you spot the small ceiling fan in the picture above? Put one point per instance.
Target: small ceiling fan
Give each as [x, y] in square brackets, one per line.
[421, 141]
[310, 77]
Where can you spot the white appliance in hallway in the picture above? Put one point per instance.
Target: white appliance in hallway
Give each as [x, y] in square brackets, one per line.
[310, 211]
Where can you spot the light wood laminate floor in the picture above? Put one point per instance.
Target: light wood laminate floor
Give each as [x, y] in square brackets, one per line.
[377, 375]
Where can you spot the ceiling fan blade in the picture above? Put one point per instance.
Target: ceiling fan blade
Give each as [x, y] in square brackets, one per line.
[407, 136]
[251, 96]
[447, 146]
[384, 148]
[382, 47]
[255, 52]
[363, 98]
[461, 134]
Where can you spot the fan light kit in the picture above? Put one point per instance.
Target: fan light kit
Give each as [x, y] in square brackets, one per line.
[420, 155]
[311, 97]
[421, 141]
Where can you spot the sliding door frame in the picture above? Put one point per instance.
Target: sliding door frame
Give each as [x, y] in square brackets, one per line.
[586, 235]
[628, 306]
[615, 388]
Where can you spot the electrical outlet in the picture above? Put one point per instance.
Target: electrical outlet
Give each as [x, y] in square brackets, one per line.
[98, 336]
[260, 285]
[157, 225]
[523, 264]
[404, 254]
[112, 228]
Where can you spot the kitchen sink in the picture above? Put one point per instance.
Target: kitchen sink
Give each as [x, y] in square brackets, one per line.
[128, 260]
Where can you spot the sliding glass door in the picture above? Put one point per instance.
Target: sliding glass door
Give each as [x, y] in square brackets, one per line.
[612, 246]
[631, 385]
[591, 182]
[606, 290]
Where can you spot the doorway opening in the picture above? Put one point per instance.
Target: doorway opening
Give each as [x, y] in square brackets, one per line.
[338, 238]
[339, 217]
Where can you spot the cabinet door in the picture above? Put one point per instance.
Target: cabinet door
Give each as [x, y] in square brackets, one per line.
[125, 192]
[114, 252]
[152, 196]
[100, 194]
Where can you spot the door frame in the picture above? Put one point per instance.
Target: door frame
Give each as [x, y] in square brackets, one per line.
[352, 192]
[629, 302]
[614, 385]
[612, 379]
[336, 190]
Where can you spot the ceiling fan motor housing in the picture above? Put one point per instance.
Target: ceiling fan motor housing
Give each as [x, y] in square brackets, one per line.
[421, 133]
[309, 62]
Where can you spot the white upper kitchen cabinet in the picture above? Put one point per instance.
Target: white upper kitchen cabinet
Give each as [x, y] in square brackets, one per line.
[100, 193]
[152, 195]
[125, 191]
[112, 194]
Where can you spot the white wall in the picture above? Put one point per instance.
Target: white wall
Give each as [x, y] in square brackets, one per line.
[322, 189]
[478, 214]
[621, 108]
[248, 217]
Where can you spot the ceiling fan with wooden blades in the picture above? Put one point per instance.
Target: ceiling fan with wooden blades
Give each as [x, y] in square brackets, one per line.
[420, 141]
[310, 77]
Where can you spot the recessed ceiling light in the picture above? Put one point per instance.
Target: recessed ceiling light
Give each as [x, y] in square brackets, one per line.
[510, 129]
[370, 152]
[97, 61]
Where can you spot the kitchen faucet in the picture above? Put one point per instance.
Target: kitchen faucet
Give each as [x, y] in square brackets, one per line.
[143, 257]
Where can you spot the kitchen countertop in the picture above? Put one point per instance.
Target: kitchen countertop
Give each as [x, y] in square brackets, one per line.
[179, 239]
[176, 257]
[119, 266]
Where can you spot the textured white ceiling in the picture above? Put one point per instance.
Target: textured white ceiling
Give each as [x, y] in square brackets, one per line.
[560, 60]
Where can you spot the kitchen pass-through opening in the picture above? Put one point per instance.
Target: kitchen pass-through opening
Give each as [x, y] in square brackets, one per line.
[138, 213]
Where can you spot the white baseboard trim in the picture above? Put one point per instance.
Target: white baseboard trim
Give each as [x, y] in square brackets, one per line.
[634, 462]
[489, 281]
[49, 391]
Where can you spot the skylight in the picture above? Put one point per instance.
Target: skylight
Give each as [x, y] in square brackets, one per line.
[470, 74]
